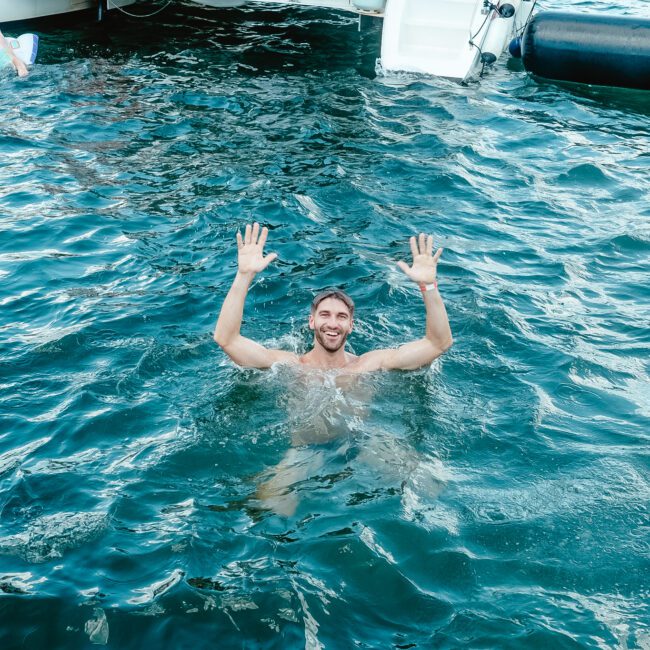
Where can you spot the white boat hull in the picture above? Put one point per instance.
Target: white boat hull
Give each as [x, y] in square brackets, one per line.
[11, 10]
[447, 38]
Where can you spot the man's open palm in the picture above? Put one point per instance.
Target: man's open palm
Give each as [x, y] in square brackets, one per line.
[250, 247]
[425, 263]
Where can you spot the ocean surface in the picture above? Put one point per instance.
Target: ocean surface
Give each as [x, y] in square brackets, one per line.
[153, 495]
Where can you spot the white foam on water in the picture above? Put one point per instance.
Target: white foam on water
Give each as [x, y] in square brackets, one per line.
[157, 589]
[97, 628]
[15, 457]
[368, 538]
[50, 536]
[311, 625]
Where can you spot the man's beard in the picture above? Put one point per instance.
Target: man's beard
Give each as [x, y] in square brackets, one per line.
[331, 346]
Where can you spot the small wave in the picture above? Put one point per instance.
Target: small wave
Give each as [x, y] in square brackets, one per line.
[51, 536]
[15, 457]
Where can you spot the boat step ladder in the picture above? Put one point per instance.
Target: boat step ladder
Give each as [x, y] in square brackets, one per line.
[437, 37]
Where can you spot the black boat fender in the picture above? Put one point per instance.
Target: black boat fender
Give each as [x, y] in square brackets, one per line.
[592, 49]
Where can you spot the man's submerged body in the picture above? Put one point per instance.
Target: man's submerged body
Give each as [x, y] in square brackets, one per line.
[331, 320]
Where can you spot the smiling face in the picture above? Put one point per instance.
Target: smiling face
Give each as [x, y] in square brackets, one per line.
[331, 321]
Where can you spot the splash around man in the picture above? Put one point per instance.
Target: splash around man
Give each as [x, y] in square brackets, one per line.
[332, 317]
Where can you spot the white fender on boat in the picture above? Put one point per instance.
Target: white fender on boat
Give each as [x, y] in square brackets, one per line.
[498, 29]
[376, 6]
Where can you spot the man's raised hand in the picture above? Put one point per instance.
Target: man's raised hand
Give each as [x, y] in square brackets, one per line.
[425, 262]
[250, 250]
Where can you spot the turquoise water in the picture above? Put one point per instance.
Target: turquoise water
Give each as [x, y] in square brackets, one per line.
[498, 500]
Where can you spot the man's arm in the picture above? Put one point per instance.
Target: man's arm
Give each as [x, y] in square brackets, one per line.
[437, 338]
[251, 260]
[21, 68]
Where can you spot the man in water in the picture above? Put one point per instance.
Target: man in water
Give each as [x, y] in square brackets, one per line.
[7, 53]
[331, 318]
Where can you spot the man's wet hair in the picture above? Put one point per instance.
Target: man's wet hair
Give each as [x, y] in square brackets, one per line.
[333, 293]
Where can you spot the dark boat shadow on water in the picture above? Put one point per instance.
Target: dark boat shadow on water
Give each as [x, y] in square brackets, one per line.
[257, 40]
[627, 100]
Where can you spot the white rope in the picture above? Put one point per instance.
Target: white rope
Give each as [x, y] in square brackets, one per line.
[109, 3]
[530, 15]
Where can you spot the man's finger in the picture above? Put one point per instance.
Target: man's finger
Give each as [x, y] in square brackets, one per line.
[247, 235]
[430, 245]
[436, 257]
[269, 258]
[404, 266]
[263, 236]
[256, 232]
[414, 247]
[240, 241]
[423, 244]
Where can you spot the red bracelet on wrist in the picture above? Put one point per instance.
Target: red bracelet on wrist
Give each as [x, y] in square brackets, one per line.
[428, 287]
